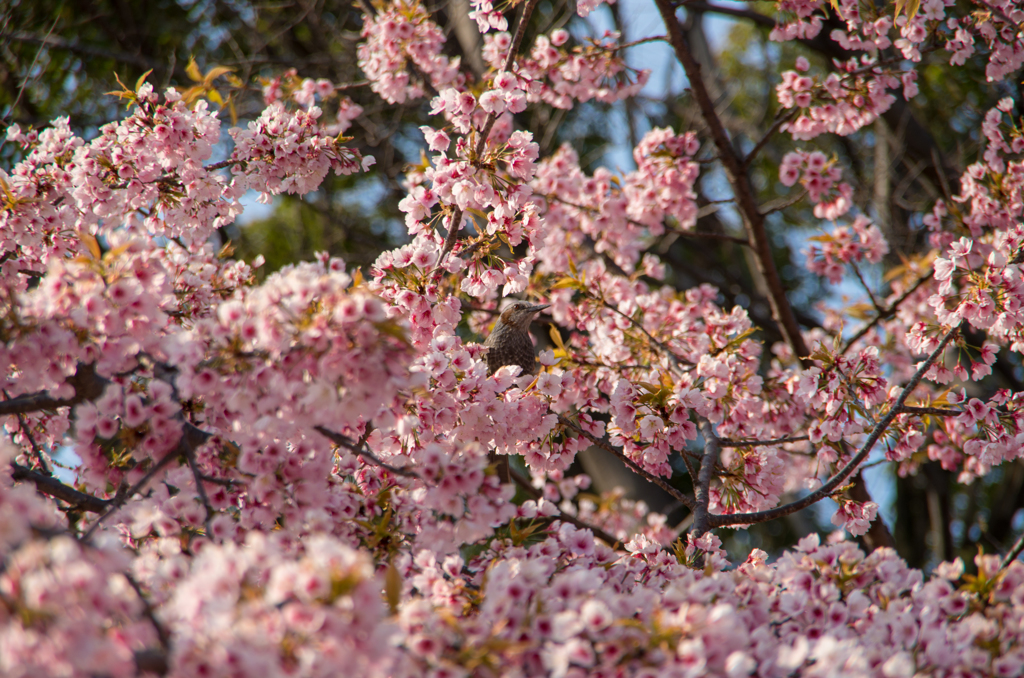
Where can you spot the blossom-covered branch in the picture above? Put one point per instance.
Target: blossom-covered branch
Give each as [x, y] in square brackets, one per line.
[854, 463]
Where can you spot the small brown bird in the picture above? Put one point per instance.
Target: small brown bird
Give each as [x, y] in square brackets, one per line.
[509, 343]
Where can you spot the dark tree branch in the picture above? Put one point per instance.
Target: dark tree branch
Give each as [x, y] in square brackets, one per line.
[52, 487]
[932, 411]
[87, 384]
[363, 452]
[743, 191]
[190, 455]
[760, 443]
[524, 483]
[826, 490]
[1017, 549]
[191, 437]
[887, 313]
[685, 500]
[161, 632]
[23, 425]
[701, 515]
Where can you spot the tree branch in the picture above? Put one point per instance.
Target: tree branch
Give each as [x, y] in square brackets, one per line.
[364, 453]
[453, 230]
[736, 172]
[780, 120]
[190, 455]
[826, 489]
[87, 384]
[52, 487]
[724, 442]
[933, 411]
[676, 360]
[148, 660]
[524, 483]
[887, 313]
[701, 515]
[191, 437]
[685, 500]
[23, 425]
[1017, 549]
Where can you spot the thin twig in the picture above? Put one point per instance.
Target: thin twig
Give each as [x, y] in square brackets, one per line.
[363, 452]
[836, 480]
[179, 450]
[725, 442]
[893, 307]
[935, 411]
[28, 73]
[641, 41]
[685, 500]
[161, 633]
[524, 483]
[780, 120]
[689, 467]
[676, 360]
[1018, 547]
[867, 288]
[190, 455]
[782, 203]
[680, 232]
[23, 425]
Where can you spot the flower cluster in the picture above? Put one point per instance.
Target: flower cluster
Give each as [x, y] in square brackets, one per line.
[802, 22]
[829, 254]
[305, 92]
[999, 30]
[277, 605]
[855, 517]
[619, 219]
[820, 176]
[561, 75]
[842, 103]
[662, 185]
[401, 45]
[287, 152]
[486, 17]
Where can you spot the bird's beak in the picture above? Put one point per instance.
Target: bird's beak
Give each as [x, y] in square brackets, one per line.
[538, 308]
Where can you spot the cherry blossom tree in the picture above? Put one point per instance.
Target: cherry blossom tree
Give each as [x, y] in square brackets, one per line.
[300, 475]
